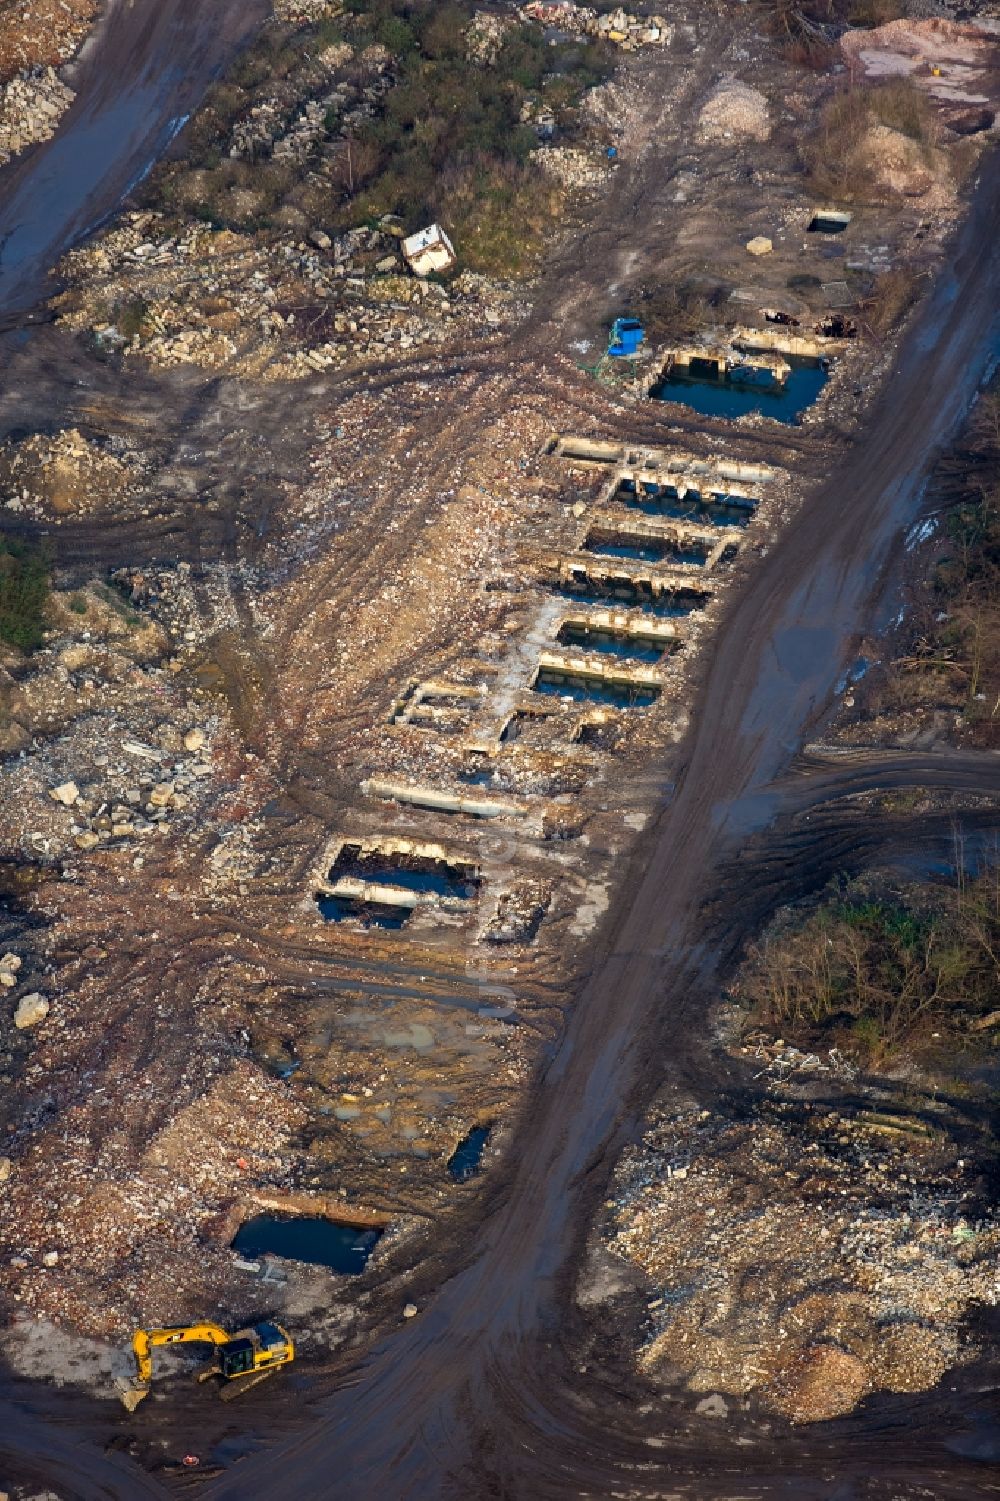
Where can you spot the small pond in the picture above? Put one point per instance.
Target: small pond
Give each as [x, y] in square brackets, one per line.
[320, 1242]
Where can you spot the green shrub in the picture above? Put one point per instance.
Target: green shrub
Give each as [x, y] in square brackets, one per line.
[24, 593]
[882, 973]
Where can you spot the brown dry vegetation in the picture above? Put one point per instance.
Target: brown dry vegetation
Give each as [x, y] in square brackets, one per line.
[884, 974]
[839, 155]
[951, 661]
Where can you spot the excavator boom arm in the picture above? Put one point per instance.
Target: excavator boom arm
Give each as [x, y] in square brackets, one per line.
[145, 1340]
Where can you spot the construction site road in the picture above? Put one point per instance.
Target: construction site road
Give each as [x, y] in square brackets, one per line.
[137, 81]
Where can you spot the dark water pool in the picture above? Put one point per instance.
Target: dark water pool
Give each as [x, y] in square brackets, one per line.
[672, 604]
[317, 1241]
[715, 397]
[593, 691]
[608, 644]
[467, 1157]
[343, 909]
[662, 500]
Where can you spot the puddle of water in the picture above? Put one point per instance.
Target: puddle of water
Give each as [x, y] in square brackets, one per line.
[593, 691]
[645, 549]
[481, 778]
[672, 604]
[421, 876]
[662, 500]
[343, 909]
[853, 675]
[725, 397]
[464, 1162]
[609, 644]
[317, 1241]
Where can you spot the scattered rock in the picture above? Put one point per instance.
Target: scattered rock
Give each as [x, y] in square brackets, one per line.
[31, 1009]
[66, 793]
[760, 245]
[714, 1406]
[410, 1311]
[194, 739]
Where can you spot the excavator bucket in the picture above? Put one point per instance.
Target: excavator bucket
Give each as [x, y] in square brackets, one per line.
[131, 1394]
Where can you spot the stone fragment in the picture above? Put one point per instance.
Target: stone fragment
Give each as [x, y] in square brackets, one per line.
[760, 245]
[31, 1009]
[66, 793]
[194, 739]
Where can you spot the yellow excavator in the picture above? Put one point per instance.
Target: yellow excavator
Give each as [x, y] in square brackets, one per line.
[242, 1359]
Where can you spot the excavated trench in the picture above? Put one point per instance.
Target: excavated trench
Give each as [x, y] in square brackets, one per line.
[742, 390]
[319, 1242]
[620, 542]
[686, 503]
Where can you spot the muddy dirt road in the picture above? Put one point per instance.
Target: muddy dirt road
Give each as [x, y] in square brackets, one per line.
[137, 80]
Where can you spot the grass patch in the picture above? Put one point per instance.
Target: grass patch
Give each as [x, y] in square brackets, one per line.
[838, 155]
[24, 594]
[449, 139]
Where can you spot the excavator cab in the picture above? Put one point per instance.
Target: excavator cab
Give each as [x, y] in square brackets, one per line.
[242, 1359]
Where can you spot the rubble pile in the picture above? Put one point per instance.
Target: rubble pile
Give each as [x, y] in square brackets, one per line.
[519, 913]
[735, 109]
[281, 308]
[806, 1255]
[31, 106]
[573, 167]
[486, 35]
[306, 12]
[68, 473]
[146, 1220]
[267, 130]
[621, 27]
[42, 33]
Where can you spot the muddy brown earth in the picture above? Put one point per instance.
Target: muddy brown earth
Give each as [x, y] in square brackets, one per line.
[335, 538]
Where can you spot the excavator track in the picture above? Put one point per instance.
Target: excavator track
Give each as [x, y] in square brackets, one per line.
[237, 1385]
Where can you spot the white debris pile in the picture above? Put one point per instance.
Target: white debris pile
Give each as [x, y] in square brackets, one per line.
[280, 309]
[804, 1256]
[67, 472]
[31, 106]
[306, 12]
[486, 35]
[735, 109]
[573, 167]
[619, 26]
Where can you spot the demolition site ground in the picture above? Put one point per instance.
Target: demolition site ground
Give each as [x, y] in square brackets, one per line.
[403, 714]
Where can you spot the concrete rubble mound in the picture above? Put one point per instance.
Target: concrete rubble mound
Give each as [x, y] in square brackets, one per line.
[31, 106]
